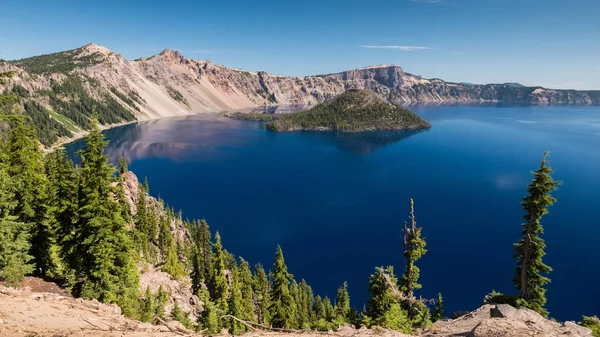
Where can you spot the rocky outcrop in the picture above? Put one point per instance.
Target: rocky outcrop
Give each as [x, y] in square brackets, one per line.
[170, 84]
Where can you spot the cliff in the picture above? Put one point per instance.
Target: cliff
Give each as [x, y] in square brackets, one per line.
[169, 84]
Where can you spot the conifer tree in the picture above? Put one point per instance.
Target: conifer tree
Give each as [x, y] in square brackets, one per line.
[62, 206]
[103, 245]
[329, 311]
[14, 235]
[260, 285]
[161, 302]
[304, 303]
[383, 308]
[148, 310]
[282, 308]
[25, 167]
[245, 279]
[235, 306]
[142, 222]
[218, 283]
[438, 313]
[319, 309]
[531, 272]
[342, 303]
[208, 320]
[123, 167]
[414, 250]
[201, 254]
[181, 316]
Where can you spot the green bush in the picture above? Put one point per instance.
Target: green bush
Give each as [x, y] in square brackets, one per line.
[592, 323]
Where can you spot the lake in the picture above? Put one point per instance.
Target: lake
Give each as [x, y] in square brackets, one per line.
[336, 203]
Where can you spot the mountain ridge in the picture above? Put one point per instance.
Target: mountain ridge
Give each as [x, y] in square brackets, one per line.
[169, 84]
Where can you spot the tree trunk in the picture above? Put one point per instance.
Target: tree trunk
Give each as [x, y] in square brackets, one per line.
[525, 262]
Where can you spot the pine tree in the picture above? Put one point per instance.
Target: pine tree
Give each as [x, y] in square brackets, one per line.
[14, 235]
[181, 316]
[342, 303]
[208, 320]
[319, 309]
[219, 284]
[415, 249]
[282, 308]
[62, 207]
[245, 279]
[438, 313]
[146, 186]
[107, 265]
[329, 311]
[235, 306]
[260, 285]
[161, 302]
[531, 272]
[201, 254]
[25, 167]
[304, 303]
[148, 310]
[383, 308]
[123, 168]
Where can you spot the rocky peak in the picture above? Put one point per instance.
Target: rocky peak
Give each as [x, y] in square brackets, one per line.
[92, 48]
[174, 54]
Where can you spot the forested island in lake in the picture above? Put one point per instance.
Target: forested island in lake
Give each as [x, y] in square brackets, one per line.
[353, 111]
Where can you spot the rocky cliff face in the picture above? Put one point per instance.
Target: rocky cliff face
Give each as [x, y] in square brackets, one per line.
[169, 84]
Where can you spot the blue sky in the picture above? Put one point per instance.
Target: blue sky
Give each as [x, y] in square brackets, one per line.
[554, 43]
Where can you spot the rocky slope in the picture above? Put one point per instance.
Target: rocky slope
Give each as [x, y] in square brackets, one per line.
[169, 84]
[24, 312]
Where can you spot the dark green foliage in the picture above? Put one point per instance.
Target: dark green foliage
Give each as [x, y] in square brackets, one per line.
[25, 167]
[126, 99]
[201, 254]
[47, 128]
[282, 308]
[208, 319]
[62, 210]
[244, 276]
[260, 285]
[342, 304]
[304, 302]
[123, 167]
[176, 95]
[592, 323]
[354, 110]
[252, 116]
[383, 308]
[218, 283]
[531, 273]
[161, 301]
[181, 316]
[62, 62]
[14, 235]
[104, 251]
[438, 313]
[235, 306]
[148, 311]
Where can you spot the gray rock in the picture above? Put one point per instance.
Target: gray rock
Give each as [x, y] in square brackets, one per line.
[502, 311]
[458, 314]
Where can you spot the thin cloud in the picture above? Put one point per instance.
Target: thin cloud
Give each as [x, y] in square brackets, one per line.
[403, 48]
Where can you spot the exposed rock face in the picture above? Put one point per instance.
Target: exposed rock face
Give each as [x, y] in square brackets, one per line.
[170, 84]
[503, 320]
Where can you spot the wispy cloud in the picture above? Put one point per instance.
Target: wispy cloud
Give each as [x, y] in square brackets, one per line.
[429, 1]
[403, 48]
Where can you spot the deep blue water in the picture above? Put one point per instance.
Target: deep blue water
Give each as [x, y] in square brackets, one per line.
[336, 203]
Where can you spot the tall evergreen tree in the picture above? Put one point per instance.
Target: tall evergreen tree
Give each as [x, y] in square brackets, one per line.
[304, 303]
[15, 261]
[161, 302]
[25, 166]
[148, 310]
[218, 283]
[438, 313]
[107, 265]
[282, 309]
[329, 311]
[201, 254]
[531, 272]
[62, 208]
[245, 279]
[383, 307]
[260, 285]
[235, 307]
[414, 250]
[319, 309]
[342, 303]
[123, 167]
[208, 320]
